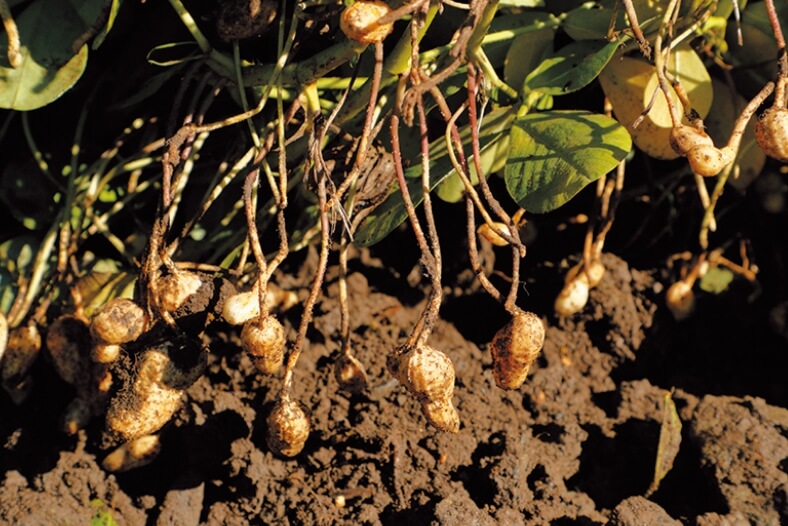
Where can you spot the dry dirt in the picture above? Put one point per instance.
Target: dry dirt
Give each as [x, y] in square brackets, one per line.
[577, 444]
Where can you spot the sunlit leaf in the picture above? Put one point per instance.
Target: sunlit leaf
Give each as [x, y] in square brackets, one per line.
[631, 83]
[571, 68]
[47, 29]
[553, 155]
[525, 54]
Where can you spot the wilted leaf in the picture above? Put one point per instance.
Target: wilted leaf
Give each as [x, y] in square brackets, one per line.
[47, 29]
[571, 68]
[669, 442]
[553, 155]
[631, 83]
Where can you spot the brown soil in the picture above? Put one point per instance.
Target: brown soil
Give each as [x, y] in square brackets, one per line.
[577, 444]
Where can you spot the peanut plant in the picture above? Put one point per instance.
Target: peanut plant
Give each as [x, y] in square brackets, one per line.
[325, 124]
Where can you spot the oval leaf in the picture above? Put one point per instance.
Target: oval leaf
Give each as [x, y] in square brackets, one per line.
[553, 155]
[47, 29]
[572, 68]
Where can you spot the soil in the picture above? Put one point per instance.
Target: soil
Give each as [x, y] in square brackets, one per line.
[577, 444]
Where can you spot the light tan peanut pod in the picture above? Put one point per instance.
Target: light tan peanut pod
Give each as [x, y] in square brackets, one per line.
[118, 321]
[288, 428]
[515, 347]
[680, 300]
[24, 345]
[492, 236]
[771, 132]
[574, 296]
[133, 454]
[67, 341]
[104, 352]
[429, 375]
[359, 21]
[265, 342]
[595, 272]
[350, 374]
[3, 336]
[175, 289]
[144, 406]
[242, 307]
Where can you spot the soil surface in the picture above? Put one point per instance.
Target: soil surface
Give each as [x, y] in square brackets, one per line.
[577, 444]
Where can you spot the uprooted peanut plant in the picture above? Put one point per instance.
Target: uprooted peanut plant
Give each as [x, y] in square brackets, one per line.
[347, 120]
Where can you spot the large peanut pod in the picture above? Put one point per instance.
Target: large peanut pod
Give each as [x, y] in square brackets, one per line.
[244, 306]
[515, 347]
[154, 393]
[288, 428]
[429, 375]
[359, 21]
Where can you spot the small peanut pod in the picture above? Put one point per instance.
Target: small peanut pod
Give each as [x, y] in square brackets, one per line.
[574, 296]
[359, 21]
[680, 300]
[24, 345]
[175, 289]
[265, 342]
[154, 392]
[492, 236]
[134, 454]
[288, 428]
[429, 375]
[771, 132]
[242, 307]
[117, 322]
[350, 374]
[515, 347]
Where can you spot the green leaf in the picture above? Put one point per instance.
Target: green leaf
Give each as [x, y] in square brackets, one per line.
[102, 515]
[572, 68]
[525, 54]
[716, 280]
[391, 212]
[553, 155]
[47, 29]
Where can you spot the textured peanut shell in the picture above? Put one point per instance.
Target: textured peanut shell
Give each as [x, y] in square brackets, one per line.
[573, 297]
[771, 132]
[148, 403]
[515, 347]
[265, 343]
[680, 300]
[175, 289]
[359, 21]
[118, 321]
[429, 375]
[242, 307]
[288, 428]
